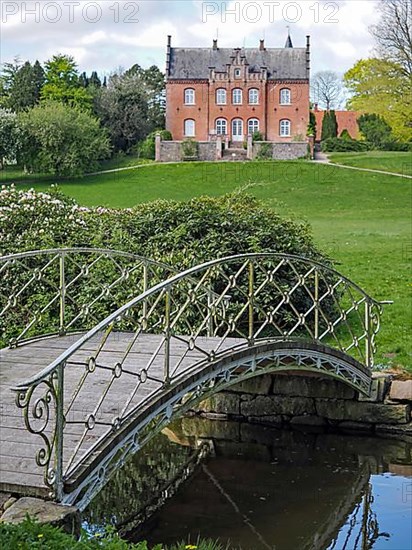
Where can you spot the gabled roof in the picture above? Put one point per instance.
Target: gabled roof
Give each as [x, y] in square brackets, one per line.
[194, 63]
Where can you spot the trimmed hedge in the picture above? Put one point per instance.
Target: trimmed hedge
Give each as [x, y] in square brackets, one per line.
[343, 145]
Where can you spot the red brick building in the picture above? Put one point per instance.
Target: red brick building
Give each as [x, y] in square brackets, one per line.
[347, 120]
[234, 92]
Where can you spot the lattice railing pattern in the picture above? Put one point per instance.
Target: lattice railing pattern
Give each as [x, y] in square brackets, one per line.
[68, 290]
[164, 335]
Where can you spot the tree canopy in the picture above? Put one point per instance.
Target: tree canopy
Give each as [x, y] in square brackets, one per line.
[380, 86]
[132, 105]
[393, 33]
[62, 83]
[327, 90]
[62, 140]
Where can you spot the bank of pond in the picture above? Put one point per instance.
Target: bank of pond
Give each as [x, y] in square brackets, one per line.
[253, 487]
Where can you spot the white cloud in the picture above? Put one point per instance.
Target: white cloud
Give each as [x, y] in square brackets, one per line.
[128, 32]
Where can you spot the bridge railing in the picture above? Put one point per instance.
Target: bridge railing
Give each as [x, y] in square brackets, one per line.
[61, 291]
[165, 334]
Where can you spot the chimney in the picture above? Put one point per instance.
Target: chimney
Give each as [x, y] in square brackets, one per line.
[316, 108]
[308, 57]
[215, 45]
[262, 46]
[169, 45]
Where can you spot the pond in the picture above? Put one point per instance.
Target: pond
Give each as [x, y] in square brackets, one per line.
[255, 487]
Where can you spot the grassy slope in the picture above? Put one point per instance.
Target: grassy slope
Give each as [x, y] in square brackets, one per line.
[362, 220]
[378, 160]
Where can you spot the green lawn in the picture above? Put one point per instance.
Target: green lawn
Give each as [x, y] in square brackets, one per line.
[400, 163]
[360, 219]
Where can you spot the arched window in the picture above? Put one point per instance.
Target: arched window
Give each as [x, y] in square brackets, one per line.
[221, 96]
[237, 129]
[237, 96]
[253, 96]
[284, 128]
[189, 96]
[238, 73]
[190, 128]
[221, 126]
[285, 96]
[252, 126]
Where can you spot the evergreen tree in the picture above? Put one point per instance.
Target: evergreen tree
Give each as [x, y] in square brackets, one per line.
[83, 80]
[329, 125]
[312, 124]
[25, 90]
[95, 80]
[333, 124]
[374, 129]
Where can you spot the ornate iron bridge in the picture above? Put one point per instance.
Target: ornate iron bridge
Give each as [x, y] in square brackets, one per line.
[152, 343]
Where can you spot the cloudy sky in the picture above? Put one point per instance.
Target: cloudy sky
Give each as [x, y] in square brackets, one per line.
[105, 35]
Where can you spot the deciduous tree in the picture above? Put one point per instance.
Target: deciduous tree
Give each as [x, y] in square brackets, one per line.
[380, 86]
[393, 33]
[327, 90]
[62, 83]
[123, 108]
[62, 140]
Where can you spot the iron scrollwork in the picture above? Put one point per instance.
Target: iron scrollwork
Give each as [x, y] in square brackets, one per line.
[39, 405]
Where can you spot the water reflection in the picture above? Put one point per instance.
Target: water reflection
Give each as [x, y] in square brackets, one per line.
[265, 489]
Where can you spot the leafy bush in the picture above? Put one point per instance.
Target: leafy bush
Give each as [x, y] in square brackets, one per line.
[396, 146]
[265, 152]
[345, 145]
[181, 234]
[345, 135]
[10, 136]
[190, 149]
[62, 140]
[30, 220]
[147, 148]
[257, 136]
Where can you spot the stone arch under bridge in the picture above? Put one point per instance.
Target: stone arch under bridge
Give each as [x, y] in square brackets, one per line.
[106, 348]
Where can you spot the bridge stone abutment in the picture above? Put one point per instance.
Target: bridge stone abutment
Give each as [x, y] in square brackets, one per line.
[294, 399]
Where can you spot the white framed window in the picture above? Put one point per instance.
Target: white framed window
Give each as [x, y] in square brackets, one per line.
[190, 128]
[253, 96]
[221, 96]
[189, 96]
[285, 96]
[221, 126]
[237, 96]
[284, 128]
[238, 73]
[252, 125]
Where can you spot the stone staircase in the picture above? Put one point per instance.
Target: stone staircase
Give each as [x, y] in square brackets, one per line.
[235, 153]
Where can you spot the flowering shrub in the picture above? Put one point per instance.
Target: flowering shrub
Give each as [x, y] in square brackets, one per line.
[34, 220]
[180, 234]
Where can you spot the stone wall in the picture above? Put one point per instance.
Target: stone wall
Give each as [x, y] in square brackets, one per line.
[313, 401]
[171, 151]
[283, 151]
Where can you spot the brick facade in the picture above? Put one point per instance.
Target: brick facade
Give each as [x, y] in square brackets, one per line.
[347, 120]
[232, 92]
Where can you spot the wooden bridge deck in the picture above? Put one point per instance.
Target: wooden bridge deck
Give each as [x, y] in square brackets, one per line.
[18, 470]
